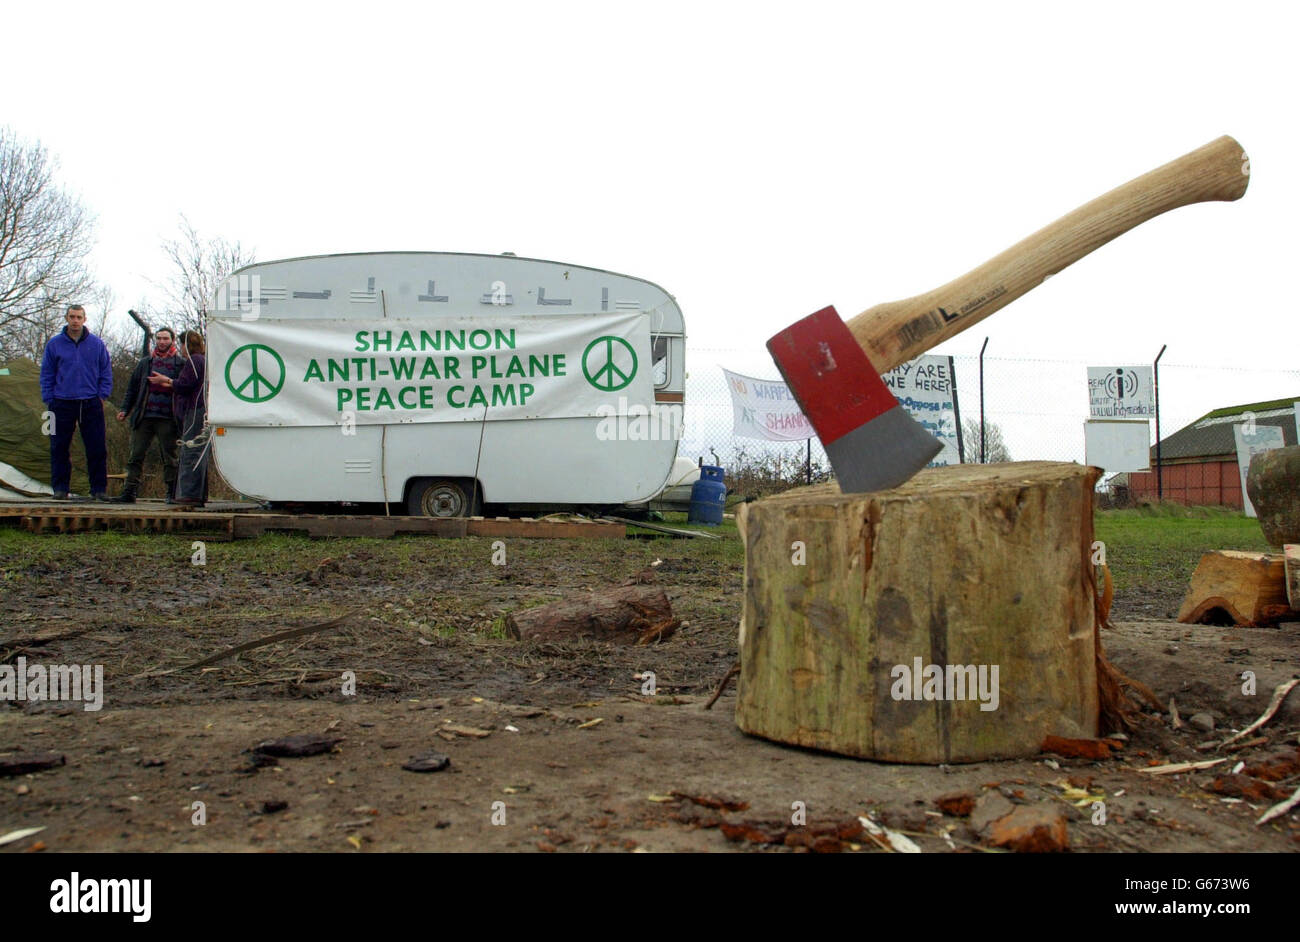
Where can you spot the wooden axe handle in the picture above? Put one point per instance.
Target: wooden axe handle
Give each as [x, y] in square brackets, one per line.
[898, 331]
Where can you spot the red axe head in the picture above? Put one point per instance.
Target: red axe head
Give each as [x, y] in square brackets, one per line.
[872, 442]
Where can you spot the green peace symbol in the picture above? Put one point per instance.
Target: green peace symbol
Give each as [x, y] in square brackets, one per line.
[255, 377]
[606, 377]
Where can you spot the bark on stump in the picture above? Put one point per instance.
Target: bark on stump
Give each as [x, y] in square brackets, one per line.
[1250, 588]
[965, 565]
[1292, 566]
[636, 614]
[1273, 484]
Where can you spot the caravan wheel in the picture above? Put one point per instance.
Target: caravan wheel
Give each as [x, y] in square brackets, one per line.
[430, 497]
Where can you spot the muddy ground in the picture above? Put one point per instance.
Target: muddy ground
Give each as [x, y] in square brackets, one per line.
[552, 747]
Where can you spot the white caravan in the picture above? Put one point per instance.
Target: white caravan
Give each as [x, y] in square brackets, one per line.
[438, 381]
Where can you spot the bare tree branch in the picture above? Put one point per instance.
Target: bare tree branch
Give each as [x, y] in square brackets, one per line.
[198, 267]
[996, 448]
[45, 238]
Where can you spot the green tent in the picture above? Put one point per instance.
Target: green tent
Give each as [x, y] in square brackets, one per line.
[22, 443]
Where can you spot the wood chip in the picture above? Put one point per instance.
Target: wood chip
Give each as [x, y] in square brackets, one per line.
[1279, 809]
[889, 839]
[471, 732]
[1278, 696]
[1248, 744]
[1176, 767]
[19, 835]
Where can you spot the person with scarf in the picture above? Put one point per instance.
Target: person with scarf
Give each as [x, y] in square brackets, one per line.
[148, 404]
[190, 407]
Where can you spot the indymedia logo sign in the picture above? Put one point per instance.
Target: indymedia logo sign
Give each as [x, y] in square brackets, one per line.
[76, 895]
[923, 681]
[82, 683]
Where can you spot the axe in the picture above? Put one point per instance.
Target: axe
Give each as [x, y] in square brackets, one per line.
[833, 368]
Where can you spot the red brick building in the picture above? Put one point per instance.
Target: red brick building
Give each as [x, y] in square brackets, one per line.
[1200, 459]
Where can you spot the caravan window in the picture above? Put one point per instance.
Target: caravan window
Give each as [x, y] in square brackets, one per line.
[659, 346]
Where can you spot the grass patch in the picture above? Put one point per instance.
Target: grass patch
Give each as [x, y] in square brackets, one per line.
[1160, 545]
[1151, 550]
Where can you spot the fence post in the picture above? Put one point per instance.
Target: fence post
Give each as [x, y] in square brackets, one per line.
[982, 435]
[1155, 388]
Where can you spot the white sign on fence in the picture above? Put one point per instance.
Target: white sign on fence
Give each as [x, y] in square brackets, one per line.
[926, 387]
[766, 409]
[1115, 445]
[1265, 438]
[453, 369]
[1121, 392]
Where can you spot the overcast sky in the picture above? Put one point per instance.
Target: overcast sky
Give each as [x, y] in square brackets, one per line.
[758, 162]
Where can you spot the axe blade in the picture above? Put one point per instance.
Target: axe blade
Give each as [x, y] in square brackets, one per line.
[872, 442]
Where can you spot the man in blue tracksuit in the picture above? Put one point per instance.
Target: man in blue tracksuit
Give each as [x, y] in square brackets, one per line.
[76, 380]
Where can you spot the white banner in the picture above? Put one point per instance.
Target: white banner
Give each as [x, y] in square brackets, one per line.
[765, 408]
[448, 369]
[1121, 392]
[925, 387]
[1249, 444]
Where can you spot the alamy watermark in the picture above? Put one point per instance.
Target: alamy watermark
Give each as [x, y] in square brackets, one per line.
[924, 681]
[638, 423]
[242, 293]
[82, 683]
[79, 894]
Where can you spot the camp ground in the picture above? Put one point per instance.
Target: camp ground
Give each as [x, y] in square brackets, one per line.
[810, 481]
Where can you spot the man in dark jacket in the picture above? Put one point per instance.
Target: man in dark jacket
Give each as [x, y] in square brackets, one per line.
[149, 406]
[76, 381]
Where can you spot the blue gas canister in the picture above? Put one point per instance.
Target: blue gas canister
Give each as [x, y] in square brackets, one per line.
[708, 497]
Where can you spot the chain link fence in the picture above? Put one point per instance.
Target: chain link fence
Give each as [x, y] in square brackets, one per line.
[1036, 408]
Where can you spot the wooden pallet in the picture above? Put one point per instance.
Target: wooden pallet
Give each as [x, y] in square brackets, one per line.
[47, 520]
[327, 525]
[255, 524]
[225, 525]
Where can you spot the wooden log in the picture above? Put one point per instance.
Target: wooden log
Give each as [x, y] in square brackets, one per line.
[636, 614]
[983, 571]
[1273, 485]
[1291, 565]
[1250, 588]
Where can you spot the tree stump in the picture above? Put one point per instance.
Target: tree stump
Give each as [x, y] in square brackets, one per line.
[974, 572]
[1273, 484]
[636, 614]
[1249, 588]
